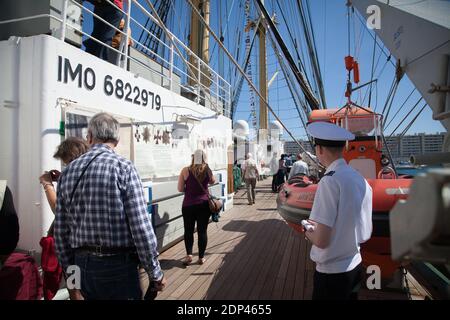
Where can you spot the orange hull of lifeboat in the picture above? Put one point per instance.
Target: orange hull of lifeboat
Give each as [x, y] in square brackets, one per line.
[295, 200]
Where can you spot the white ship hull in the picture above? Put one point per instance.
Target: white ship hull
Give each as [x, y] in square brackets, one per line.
[43, 79]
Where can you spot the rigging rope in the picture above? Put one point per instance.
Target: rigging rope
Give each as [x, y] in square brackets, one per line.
[294, 41]
[371, 74]
[412, 121]
[305, 86]
[407, 115]
[378, 44]
[390, 104]
[389, 95]
[169, 36]
[226, 24]
[321, 86]
[238, 90]
[289, 84]
[310, 41]
[401, 107]
[374, 71]
[404, 131]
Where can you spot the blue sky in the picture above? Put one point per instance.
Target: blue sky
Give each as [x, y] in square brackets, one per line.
[329, 19]
[330, 26]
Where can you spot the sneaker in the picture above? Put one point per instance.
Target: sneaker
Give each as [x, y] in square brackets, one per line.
[201, 260]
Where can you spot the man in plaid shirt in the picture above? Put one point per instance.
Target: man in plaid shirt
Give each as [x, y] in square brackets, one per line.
[102, 225]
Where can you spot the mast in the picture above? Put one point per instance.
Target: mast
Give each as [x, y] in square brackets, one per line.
[199, 42]
[263, 113]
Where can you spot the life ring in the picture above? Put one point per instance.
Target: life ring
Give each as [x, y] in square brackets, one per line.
[387, 173]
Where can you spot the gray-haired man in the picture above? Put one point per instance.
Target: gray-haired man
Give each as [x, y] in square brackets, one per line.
[250, 176]
[102, 224]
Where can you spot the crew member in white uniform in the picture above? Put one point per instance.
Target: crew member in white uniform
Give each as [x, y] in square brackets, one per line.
[341, 216]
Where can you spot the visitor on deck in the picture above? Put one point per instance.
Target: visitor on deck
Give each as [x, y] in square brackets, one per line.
[341, 217]
[67, 151]
[116, 41]
[193, 181]
[299, 167]
[288, 165]
[281, 171]
[103, 32]
[250, 176]
[19, 274]
[102, 224]
[274, 166]
[237, 176]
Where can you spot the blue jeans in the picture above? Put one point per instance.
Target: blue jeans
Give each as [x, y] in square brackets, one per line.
[103, 32]
[114, 277]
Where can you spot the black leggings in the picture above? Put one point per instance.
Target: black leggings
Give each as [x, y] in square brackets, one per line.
[337, 286]
[191, 214]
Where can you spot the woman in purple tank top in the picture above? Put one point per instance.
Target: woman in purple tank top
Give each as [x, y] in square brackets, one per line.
[195, 204]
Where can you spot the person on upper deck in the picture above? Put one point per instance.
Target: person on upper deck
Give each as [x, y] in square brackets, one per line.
[341, 216]
[103, 32]
[102, 224]
[194, 181]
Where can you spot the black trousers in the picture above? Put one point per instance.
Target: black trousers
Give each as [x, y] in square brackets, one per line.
[337, 286]
[199, 213]
[274, 182]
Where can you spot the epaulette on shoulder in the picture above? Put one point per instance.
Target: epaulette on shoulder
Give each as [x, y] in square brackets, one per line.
[329, 173]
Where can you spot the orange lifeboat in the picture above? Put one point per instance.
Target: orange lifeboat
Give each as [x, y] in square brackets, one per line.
[296, 196]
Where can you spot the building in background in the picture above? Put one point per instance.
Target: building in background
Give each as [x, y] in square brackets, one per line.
[291, 147]
[401, 148]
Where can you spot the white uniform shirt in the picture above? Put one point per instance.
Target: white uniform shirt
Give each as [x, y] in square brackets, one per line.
[343, 202]
[299, 166]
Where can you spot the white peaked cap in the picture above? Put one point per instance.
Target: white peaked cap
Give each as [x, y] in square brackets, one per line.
[329, 131]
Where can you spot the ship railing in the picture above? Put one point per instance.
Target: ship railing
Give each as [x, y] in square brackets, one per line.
[177, 68]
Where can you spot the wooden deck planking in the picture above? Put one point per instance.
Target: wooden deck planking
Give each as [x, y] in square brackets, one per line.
[252, 254]
[215, 239]
[243, 243]
[235, 266]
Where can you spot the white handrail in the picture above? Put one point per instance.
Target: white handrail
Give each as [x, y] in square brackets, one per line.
[218, 90]
[44, 15]
[64, 22]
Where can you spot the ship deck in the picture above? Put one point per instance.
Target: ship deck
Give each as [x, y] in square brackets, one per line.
[253, 254]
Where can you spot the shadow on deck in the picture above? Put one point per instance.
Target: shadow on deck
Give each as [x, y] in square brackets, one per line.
[251, 254]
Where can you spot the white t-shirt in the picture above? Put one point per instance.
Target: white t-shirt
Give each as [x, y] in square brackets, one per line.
[250, 169]
[274, 166]
[343, 202]
[299, 166]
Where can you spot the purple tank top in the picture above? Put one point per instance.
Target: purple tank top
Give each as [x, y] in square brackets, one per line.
[193, 193]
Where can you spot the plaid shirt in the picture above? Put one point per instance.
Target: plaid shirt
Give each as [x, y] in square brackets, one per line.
[109, 193]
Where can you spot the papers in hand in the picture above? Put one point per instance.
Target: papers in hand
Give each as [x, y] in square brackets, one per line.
[308, 226]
